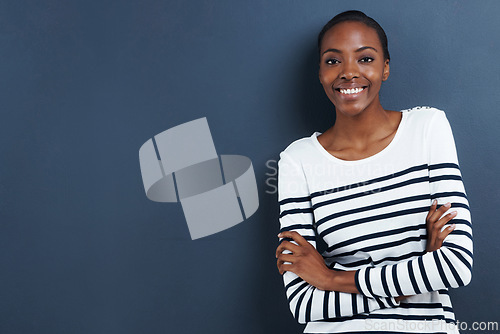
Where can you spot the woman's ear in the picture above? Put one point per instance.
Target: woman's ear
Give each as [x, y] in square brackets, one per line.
[387, 71]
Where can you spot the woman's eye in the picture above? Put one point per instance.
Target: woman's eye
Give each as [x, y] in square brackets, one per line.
[366, 60]
[332, 61]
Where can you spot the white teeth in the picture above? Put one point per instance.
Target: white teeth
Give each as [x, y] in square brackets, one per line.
[351, 91]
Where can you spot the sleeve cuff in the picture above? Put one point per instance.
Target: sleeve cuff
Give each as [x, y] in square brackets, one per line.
[361, 279]
[356, 281]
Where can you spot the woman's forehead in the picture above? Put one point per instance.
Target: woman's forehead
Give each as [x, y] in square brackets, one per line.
[350, 35]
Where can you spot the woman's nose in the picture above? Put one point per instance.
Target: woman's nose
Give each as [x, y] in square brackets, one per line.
[349, 71]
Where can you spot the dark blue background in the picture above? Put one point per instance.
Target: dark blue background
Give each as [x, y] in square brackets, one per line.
[83, 84]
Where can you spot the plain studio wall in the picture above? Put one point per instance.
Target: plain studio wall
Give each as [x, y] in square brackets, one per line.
[83, 84]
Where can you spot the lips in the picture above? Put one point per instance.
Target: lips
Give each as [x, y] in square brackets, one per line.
[349, 91]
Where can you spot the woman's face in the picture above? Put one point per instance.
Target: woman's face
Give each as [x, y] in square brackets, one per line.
[352, 67]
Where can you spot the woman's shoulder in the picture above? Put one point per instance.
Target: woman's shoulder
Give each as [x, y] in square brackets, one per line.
[423, 115]
[300, 148]
[423, 112]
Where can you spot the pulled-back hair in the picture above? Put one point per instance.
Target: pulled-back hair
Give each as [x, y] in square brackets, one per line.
[356, 16]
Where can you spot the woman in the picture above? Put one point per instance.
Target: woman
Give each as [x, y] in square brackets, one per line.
[377, 187]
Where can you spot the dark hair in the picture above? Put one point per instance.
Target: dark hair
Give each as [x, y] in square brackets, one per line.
[356, 16]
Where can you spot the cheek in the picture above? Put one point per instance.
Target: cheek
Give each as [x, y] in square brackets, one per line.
[326, 77]
[375, 76]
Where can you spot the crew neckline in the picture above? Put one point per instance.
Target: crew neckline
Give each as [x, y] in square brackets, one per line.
[393, 142]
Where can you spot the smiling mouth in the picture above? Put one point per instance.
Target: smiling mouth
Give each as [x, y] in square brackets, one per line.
[350, 91]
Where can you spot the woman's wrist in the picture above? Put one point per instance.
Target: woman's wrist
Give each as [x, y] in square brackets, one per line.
[341, 281]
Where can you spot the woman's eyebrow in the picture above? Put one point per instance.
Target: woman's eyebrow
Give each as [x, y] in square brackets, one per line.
[332, 50]
[358, 50]
[366, 47]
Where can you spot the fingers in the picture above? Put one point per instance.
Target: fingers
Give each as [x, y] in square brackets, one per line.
[434, 215]
[286, 245]
[284, 267]
[437, 241]
[435, 221]
[446, 231]
[295, 236]
[441, 222]
[285, 261]
[282, 258]
[431, 210]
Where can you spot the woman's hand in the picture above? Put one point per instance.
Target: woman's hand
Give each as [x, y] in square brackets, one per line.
[304, 260]
[435, 222]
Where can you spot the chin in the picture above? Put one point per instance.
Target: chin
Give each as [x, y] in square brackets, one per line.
[350, 110]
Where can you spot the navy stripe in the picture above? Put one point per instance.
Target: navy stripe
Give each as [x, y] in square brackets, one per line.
[337, 304]
[384, 281]
[445, 177]
[451, 245]
[364, 183]
[294, 282]
[376, 235]
[399, 258]
[385, 259]
[443, 165]
[453, 270]
[299, 303]
[396, 282]
[365, 304]
[380, 303]
[325, 305]
[309, 305]
[424, 274]
[384, 245]
[459, 232]
[462, 221]
[371, 192]
[367, 281]
[295, 211]
[447, 309]
[460, 205]
[449, 194]
[440, 268]
[297, 227]
[371, 219]
[356, 281]
[294, 200]
[374, 206]
[354, 303]
[387, 316]
[412, 278]
[421, 305]
[305, 284]
[461, 257]
[354, 264]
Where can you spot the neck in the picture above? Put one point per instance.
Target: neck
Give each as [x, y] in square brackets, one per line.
[362, 127]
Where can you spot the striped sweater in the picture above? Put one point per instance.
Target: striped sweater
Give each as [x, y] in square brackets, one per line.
[371, 215]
